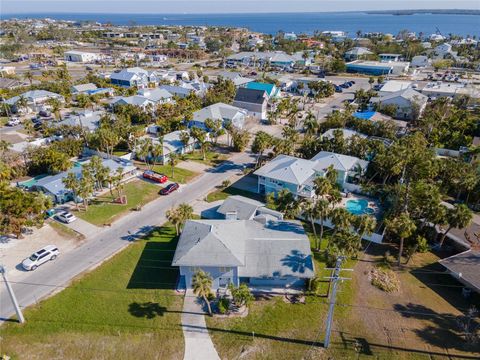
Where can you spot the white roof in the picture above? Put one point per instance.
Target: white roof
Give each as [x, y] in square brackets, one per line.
[395, 85]
[288, 168]
[346, 133]
[218, 111]
[325, 159]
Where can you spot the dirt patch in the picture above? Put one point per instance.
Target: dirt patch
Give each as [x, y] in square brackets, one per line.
[420, 317]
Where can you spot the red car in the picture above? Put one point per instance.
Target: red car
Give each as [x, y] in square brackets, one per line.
[169, 189]
[152, 175]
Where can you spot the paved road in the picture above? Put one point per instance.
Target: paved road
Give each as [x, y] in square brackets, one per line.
[110, 240]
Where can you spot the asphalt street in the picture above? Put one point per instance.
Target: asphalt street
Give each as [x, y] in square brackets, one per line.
[53, 276]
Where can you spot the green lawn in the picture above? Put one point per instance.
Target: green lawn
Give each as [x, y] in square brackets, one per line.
[211, 158]
[124, 309]
[222, 194]
[102, 211]
[180, 175]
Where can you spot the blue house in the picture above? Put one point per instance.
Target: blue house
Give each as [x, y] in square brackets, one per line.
[270, 89]
[259, 252]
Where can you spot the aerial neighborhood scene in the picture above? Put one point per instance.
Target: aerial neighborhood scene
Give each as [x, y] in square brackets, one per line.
[206, 180]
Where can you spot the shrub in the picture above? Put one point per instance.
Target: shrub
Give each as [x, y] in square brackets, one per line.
[223, 305]
[241, 295]
[422, 243]
[385, 279]
[225, 184]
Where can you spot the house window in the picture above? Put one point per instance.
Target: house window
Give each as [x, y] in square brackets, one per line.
[194, 269]
[224, 269]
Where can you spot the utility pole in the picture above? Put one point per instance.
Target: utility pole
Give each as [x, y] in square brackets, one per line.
[335, 278]
[20, 317]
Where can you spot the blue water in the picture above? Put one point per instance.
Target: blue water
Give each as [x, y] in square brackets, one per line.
[356, 207]
[350, 22]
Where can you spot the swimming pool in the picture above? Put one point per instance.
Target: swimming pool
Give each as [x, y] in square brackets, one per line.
[357, 206]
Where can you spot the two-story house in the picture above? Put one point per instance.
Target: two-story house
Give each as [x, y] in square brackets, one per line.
[134, 77]
[298, 175]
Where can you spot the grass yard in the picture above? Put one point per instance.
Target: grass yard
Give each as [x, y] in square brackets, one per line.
[222, 194]
[102, 211]
[211, 158]
[180, 175]
[64, 230]
[125, 309]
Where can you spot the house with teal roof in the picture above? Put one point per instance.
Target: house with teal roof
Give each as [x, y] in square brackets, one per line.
[271, 90]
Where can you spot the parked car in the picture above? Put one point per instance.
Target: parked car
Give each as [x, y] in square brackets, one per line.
[48, 253]
[169, 189]
[36, 120]
[66, 217]
[34, 66]
[154, 176]
[14, 121]
[338, 89]
[44, 113]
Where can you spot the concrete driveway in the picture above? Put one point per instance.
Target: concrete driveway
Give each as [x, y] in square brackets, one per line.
[198, 345]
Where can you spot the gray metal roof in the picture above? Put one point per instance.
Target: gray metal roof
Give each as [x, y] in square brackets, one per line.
[465, 267]
[34, 95]
[83, 87]
[155, 95]
[340, 162]
[218, 111]
[288, 168]
[252, 96]
[277, 248]
[244, 207]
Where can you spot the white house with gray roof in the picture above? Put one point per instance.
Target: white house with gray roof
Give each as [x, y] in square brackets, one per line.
[35, 100]
[409, 103]
[133, 77]
[297, 175]
[257, 252]
[219, 111]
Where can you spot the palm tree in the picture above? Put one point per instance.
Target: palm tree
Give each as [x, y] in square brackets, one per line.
[310, 124]
[185, 211]
[313, 212]
[458, 217]
[403, 227]
[72, 183]
[174, 217]
[29, 76]
[55, 105]
[172, 161]
[185, 139]
[365, 224]
[202, 287]
[341, 219]
[156, 151]
[143, 149]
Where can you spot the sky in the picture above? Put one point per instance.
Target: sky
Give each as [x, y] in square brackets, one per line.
[222, 6]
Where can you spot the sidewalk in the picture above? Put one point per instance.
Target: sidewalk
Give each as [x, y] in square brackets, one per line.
[198, 345]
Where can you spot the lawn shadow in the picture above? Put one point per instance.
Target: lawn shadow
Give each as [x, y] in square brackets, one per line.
[363, 346]
[436, 278]
[153, 269]
[148, 310]
[443, 330]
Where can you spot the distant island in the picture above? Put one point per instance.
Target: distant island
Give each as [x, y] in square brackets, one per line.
[426, 11]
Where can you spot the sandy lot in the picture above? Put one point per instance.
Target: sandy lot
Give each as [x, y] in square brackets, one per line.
[13, 251]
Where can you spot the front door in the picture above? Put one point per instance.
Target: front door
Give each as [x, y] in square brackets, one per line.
[223, 282]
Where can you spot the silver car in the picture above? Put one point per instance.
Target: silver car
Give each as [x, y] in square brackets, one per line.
[48, 253]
